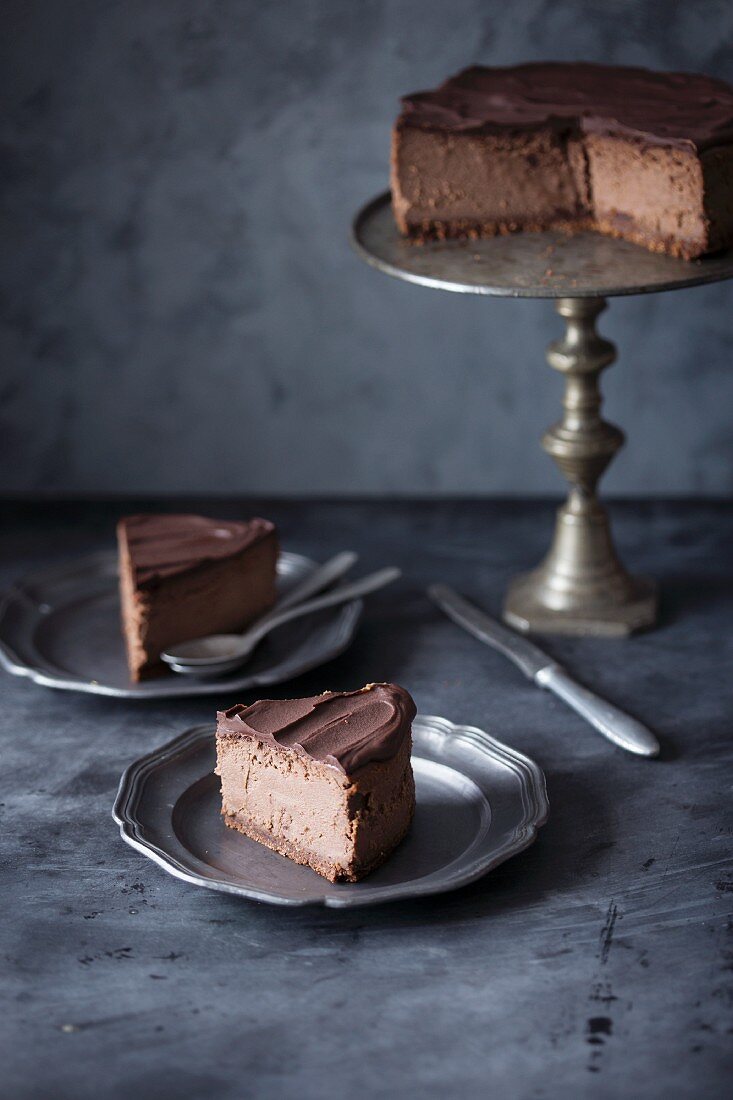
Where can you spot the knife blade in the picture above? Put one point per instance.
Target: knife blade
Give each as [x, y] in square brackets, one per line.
[613, 723]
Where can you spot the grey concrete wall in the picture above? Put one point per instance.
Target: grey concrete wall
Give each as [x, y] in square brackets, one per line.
[180, 306]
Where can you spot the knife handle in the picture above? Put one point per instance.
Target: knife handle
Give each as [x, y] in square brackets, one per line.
[613, 723]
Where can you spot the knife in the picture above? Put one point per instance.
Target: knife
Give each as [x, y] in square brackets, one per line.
[613, 723]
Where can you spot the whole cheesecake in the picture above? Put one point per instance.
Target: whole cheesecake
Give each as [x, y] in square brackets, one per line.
[326, 780]
[184, 576]
[645, 156]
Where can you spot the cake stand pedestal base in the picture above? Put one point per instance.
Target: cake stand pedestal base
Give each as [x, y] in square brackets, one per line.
[581, 587]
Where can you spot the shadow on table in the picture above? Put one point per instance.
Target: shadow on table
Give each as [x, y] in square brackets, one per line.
[684, 596]
[570, 851]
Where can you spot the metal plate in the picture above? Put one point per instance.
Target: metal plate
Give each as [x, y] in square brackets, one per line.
[528, 265]
[478, 803]
[61, 628]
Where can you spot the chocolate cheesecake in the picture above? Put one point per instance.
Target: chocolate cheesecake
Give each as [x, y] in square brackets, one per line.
[185, 576]
[646, 156]
[326, 781]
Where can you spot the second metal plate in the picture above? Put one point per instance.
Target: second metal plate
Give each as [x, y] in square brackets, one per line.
[61, 628]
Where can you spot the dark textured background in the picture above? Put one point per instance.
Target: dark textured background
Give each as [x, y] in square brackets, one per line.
[180, 306]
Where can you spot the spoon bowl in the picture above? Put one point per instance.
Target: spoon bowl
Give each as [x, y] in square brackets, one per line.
[214, 647]
[207, 672]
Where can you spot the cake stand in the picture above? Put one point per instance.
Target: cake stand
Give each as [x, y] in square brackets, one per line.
[581, 587]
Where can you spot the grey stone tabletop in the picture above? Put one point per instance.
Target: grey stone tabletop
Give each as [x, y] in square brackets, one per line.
[598, 963]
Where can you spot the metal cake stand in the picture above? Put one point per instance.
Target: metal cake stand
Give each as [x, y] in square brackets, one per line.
[581, 587]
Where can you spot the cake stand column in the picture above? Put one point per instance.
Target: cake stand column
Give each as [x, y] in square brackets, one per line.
[581, 587]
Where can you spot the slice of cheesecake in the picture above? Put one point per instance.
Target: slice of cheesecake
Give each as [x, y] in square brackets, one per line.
[326, 780]
[185, 576]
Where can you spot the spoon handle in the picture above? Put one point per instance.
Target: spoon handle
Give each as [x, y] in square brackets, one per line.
[319, 579]
[343, 594]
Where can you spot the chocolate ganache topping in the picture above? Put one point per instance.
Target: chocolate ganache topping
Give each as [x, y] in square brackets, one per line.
[161, 546]
[680, 109]
[346, 729]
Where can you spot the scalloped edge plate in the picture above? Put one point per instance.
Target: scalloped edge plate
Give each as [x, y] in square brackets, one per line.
[479, 802]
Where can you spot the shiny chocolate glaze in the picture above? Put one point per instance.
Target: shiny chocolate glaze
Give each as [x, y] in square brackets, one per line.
[346, 729]
[161, 545]
[681, 109]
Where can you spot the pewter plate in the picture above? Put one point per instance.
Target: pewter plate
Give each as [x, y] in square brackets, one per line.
[528, 265]
[478, 803]
[61, 628]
